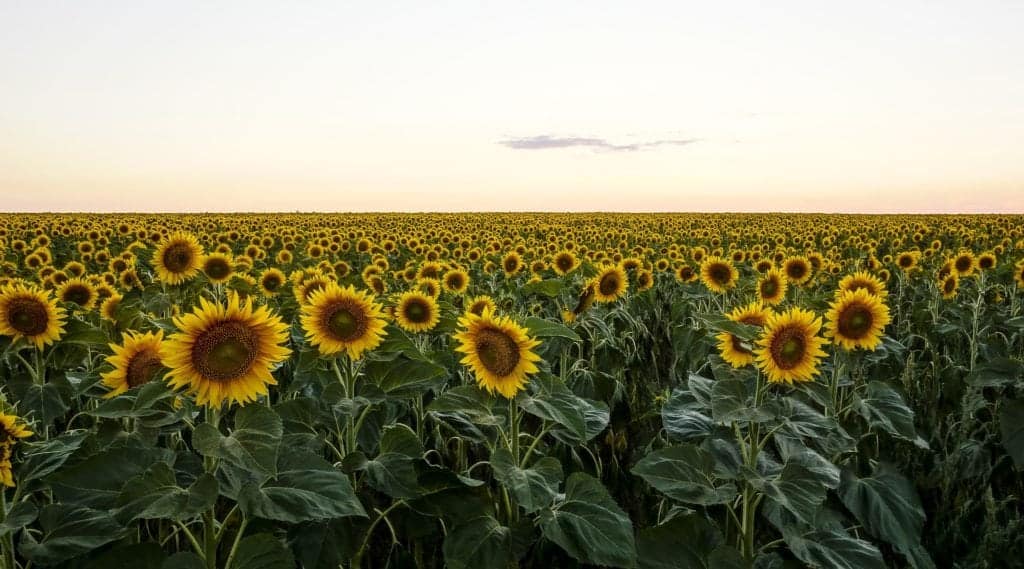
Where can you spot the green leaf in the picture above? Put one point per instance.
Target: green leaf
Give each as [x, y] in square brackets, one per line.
[685, 541]
[97, 481]
[80, 332]
[589, 525]
[470, 400]
[541, 328]
[553, 401]
[686, 473]
[1011, 426]
[833, 549]
[404, 378]
[44, 458]
[534, 487]
[306, 488]
[252, 444]
[262, 551]
[732, 403]
[156, 495]
[67, 532]
[45, 402]
[796, 489]
[136, 402]
[883, 408]
[18, 517]
[393, 474]
[886, 504]
[480, 542]
[184, 560]
[401, 439]
[684, 417]
[548, 287]
[134, 556]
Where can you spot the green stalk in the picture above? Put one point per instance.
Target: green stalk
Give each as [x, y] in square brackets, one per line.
[8, 541]
[234, 545]
[210, 516]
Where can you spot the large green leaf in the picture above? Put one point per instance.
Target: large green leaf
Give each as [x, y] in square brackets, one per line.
[306, 488]
[540, 328]
[796, 489]
[155, 494]
[18, 517]
[67, 532]
[686, 473]
[45, 457]
[1011, 425]
[685, 418]
[533, 487]
[405, 377]
[883, 408]
[553, 401]
[135, 556]
[262, 551]
[589, 525]
[833, 549]
[252, 444]
[686, 541]
[886, 504]
[97, 481]
[733, 403]
[548, 287]
[477, 543]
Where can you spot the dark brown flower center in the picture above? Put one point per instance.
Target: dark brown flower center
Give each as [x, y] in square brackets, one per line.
[788, 347]
[225, 351]
[769, 288]
[609, 284]
[855, 321]
[720, 273]
[416, 311]
[78, 294]
[963, 263]
[796, 271]
[178, 257]
[455, 281]
[564, 263]
[217, 268]
[949, 286]
[28, 316]
[271, 282]
[345, 321]
[142, 367]
[511, 264]
[497, 352]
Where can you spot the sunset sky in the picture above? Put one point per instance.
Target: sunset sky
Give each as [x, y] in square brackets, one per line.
[620, 106]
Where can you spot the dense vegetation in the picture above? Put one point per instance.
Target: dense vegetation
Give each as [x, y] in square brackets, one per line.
[500, 390]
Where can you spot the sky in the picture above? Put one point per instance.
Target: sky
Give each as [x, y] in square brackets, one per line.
[512, 106]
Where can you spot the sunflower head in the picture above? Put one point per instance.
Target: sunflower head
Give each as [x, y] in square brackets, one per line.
[856, 319]
[31, 314]
[986, 261]
[718, 274]
[772, 287]
[109, 307]
[177, 259]
[732, 348]
[789, 350]
[511, 264]
[271, 282]
[225, 352]
[964, 264]
[949, 285]
[343, 320]
[416, 312]
[456, 281]
[136, 362]
[610, 284]
[797, 270]
[79, 292]
[498, 350]
[863, 280]
[11, 429]
[218, 267]
[686, 274]
[478, 304]
[564, 262]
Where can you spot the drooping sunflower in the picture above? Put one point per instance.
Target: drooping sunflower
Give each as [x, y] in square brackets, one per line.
[11, 430]
[610, 284]
[343, 319]
[136, 362]
[30, 313]
[772, 287]
[986, 261]
[644, 280]
[498, 350]
[797, 269]
[964, 264]
[718, 274]
[225, 352]
[109, 307]
[416, 311]
[271, 281]
[733, 349]
[79, 292]
[177, 259]
[478, 304]
[456, 281]
[218, 267]
[856, 319]
[863, 280]
[948, 286]
[789, 350]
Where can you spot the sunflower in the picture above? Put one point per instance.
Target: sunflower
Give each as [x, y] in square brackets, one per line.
[948, 286]
[908, 260]
[512, 263]
[455, 281]
[856, 319]
[964, 264]
[11, 430]
[271, 281]
[498, 350]
[307, 286]
[478, 304]
[217, 267]
[416, 312]
[31, 314]
[772, 287]
[986, 260]
[686, 274]
[789, 349]
[564, 262]
[1019, 275]
[797, 269]
[644, 280]
[136, 362]
[863, 280]
[225, 352]
[733, 349]
[177, 259]
[718, 274]
[79, 292]
[110, 306]
[610, 284]
[343, 319]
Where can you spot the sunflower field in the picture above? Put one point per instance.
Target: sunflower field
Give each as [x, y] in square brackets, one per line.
[250, 391]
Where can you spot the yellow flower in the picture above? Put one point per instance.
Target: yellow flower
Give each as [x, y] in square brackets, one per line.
[343, 319]
[610, 284]
[136, 362]
[789, 350]
[733, 349]
[857, 320]
[718, 274]
[499, 351]
[31, 314]
[177, 258]
[416, 312]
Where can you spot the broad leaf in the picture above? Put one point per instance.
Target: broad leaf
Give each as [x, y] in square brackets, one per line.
[533, 487]
[685, 473]
[886, 504]
[306, 488]
[252, 444]
[589, 525]
[67, 532]
[481, 542]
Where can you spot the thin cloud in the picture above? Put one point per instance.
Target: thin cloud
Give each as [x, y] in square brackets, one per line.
[547, 142]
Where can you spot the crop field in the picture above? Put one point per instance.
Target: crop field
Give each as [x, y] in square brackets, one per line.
[475, 391]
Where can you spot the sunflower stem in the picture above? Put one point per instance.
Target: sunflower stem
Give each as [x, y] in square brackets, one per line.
[210, 516]
[8, 541]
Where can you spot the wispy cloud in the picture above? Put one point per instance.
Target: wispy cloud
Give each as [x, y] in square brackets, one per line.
[547, 142]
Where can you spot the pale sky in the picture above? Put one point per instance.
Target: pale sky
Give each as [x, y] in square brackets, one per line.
[617, 106]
